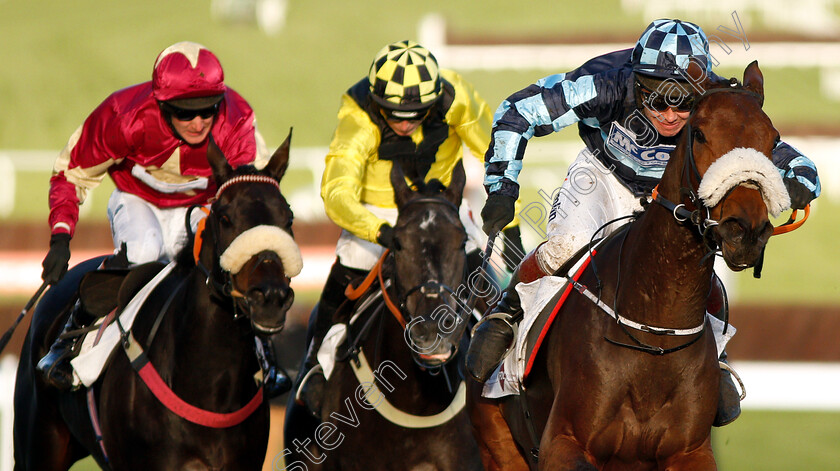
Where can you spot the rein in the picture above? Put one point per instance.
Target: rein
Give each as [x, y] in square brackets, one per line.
[376, 274]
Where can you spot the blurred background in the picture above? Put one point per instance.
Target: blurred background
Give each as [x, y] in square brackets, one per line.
[292, 60]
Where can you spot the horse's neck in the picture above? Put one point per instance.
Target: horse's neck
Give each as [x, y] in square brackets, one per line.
[204, 335]
[664, 279]
[419, 392]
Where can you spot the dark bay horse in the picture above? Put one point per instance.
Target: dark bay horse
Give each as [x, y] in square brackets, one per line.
[408, 347]
[197, 329]
[623, 392]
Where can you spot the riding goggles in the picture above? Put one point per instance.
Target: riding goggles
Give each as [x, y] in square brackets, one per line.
[182, 114]
[660, 102]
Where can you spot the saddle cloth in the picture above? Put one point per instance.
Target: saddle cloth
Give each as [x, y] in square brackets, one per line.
[535, 297]
[90, 362]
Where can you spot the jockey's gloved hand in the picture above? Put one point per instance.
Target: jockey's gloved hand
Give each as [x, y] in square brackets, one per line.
[497, 213]
[800, 195]
[385, 236]
[55, 263]
[513, 251]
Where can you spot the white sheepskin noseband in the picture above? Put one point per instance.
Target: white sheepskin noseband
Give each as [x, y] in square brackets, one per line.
[258, 239]
[748, 167]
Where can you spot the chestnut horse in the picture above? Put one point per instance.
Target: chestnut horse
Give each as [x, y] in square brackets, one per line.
[407, 413]
[639, 390]
[197, 329]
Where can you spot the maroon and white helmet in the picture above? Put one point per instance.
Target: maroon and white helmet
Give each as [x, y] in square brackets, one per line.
[187, 70]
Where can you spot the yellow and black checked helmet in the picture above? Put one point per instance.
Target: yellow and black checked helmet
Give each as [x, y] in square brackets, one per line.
[404, 76]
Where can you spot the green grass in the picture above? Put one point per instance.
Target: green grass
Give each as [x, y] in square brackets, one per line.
[779, 440]
[63, 58]
[799, 266]
[758, 440]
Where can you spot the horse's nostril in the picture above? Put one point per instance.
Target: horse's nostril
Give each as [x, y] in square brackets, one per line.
[269, 295]
[256, 296]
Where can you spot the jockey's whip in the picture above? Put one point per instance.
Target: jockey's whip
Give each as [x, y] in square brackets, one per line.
[8, 335]
[485, 260]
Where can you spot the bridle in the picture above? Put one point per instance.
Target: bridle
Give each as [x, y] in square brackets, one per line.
[700, 217]
[218, 280]
[429, 288]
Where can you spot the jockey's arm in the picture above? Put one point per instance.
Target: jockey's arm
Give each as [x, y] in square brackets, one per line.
[80, 167]
[551, 104]
[354, 144]
[799, 172]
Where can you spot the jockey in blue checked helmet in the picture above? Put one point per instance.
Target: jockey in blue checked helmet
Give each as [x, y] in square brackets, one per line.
[630, 107]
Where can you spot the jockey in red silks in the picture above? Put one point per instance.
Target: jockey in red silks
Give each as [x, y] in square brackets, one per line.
[151, 139]
[630, 106]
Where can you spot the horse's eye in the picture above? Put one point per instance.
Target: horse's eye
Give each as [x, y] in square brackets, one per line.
[225, 220]
[397, 245]
[699, 137]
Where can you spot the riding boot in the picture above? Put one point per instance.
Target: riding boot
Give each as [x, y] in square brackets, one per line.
[55, 368]
[275, 379]
[494, 335]
[311, 376]
[729, 399]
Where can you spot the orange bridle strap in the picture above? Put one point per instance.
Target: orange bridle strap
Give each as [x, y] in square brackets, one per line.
[792, 223]
[395, 311]
[354, 293]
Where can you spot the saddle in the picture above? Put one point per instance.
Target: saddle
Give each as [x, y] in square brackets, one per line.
[103, 292]
[541, 301]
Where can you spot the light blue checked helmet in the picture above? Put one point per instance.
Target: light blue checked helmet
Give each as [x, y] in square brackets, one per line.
[666, 46]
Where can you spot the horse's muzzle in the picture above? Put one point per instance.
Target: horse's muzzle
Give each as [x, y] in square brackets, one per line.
[429, 347]
[268, 307]
[740, 243]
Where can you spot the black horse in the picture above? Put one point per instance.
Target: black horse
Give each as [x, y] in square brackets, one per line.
[397, 401]
[197, 329]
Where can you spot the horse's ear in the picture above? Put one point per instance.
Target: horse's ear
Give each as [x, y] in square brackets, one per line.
[754, 79]
[455, 191]
[279, 162]
[218, 163]
[402, 192]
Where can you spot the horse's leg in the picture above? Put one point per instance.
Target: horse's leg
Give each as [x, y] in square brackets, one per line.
[560, 453]
[700, 458]
[42, 440]
[558, 449]
[495, 441]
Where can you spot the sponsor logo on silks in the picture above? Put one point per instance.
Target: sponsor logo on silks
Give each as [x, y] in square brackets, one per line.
[623, 141]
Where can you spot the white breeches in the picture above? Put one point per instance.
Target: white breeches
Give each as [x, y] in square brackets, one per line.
[589, 197]
[150, 233]
[358, 253]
